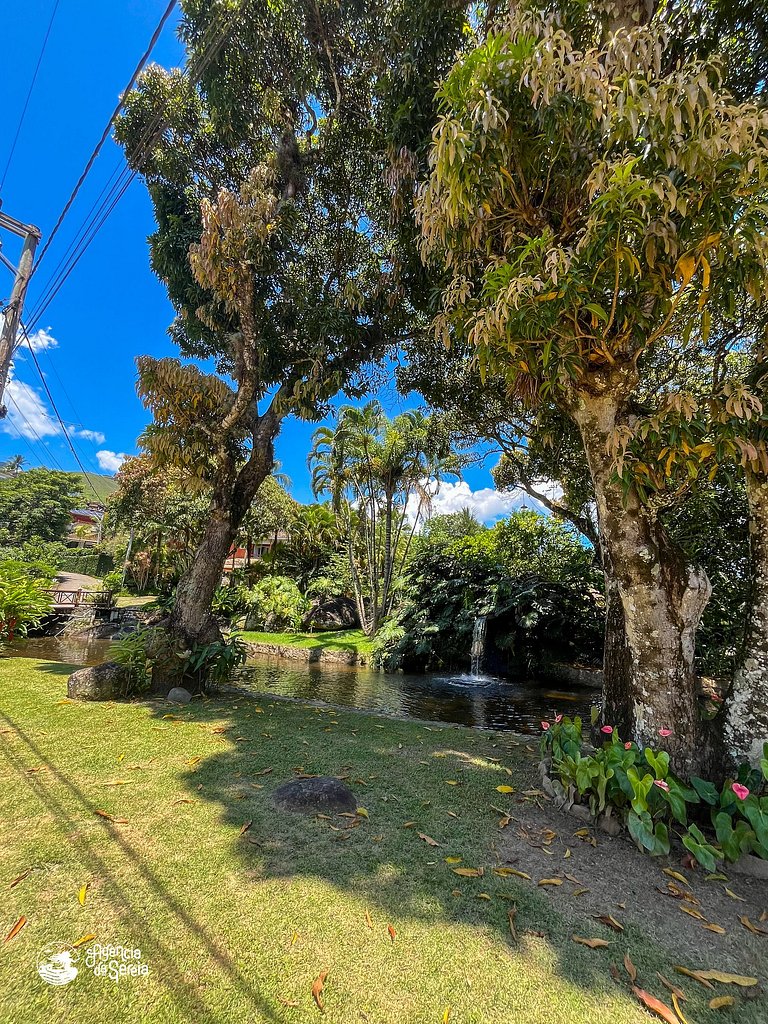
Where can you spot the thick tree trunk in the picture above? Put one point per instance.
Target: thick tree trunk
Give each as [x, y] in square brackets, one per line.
[617, 658]
[746, 715]
[662, 597]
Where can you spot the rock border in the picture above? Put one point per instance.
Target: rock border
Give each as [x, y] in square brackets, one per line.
[309, 654]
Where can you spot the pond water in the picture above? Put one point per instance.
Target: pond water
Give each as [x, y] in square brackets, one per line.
[482, 702]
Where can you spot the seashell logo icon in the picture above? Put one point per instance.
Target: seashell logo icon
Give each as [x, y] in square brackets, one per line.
[56, 963]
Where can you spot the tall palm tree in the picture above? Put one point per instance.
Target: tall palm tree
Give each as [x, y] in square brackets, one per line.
[375, 469]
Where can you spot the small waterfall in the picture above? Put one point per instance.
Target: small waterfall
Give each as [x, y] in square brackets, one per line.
[477, 650]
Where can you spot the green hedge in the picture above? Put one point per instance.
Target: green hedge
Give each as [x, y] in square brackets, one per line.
[90, 563]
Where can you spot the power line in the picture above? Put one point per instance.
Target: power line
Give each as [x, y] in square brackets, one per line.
[47, 455]
[105, 134]
[64, 430]
[29, 93]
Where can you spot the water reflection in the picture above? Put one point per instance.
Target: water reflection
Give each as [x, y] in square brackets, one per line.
[71, 650]
[483, 702]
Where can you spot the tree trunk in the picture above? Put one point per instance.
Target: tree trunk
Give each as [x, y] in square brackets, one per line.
[746, 715]
[617, 658]
[662, 597]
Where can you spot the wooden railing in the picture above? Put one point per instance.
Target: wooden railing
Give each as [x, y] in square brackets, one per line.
[74, 598]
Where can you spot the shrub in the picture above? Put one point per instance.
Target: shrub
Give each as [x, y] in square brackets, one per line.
[276, 603]
[23, 600]
[203, 665]
[638, 785]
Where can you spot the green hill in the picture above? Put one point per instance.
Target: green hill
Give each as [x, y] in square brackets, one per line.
[103, 485]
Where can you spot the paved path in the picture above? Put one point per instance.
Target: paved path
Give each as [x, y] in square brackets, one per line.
[76, 581]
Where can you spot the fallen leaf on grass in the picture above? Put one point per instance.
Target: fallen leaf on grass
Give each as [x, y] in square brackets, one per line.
[293, 1003]
[82, 894]
[446, 1014]
[652, 1003]
[483, 896]
[672, 988]
[592, 943]
[752, 927]
[579, 892]
[408, 824]
[504, 872]
[511, 915]
[469, 872]
[696, 975]
[678, 1011]
[368, 920]
[453, 860]
[721, 1002]
[16, 929]
[452, 782]
[19, 878]
[609, 921]
[716, 928]
[85, 938]
[428, 839]
[112, 818]
[264, 771]
[630, 968]
[317, 989]
[505, 789]
[245, 827]
[692, 912]
[118, 782]
[392, 933]
[550, 881]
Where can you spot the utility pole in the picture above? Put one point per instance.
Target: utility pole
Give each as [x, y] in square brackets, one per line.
[12, 312]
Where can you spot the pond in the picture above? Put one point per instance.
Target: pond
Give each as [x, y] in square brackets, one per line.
[482, 702]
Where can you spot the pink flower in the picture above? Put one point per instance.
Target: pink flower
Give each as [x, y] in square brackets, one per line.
[545, 726]
[628, 745]
[716, 696]
[661, 784]
[741, 791]
[559, 718]
[665, 732]
[607, 729]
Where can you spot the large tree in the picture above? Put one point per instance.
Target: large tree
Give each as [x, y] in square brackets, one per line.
[580, 193]
[268, 193]
[37, 504]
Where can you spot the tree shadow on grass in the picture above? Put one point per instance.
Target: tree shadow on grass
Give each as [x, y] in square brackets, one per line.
[27, 756]
[414, 781]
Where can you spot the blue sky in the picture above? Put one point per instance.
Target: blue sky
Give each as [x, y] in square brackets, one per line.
[111, 308]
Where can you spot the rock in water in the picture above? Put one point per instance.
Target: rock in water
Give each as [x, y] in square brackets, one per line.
[99, 682]
[179, 695]
[310, 796]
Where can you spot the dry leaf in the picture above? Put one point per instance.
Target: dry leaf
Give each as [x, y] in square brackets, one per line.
[678, 1011]
[16, 929]
[630, 968]
[293, 1003]
[672, 988]
[368, 920]
[652, 1003]
[676, 875]
[452, 782]
[511, 915]
[721, 1002]
[81, 894]
[579, 892]
[392, 932]
[428, 839]
[505, 871]
[609, 921]
[592, 943]
[696, 975]
[446, 1014]
[752, 927]
[468, 872]
[408, 824]
[732, 894]
[550, 881]
[245, 827]
[317, 989]
[716, 928]
[264, 771]
[453, 860]
[19, 878]
[692, 912]
[483, 896]
[361, 812]
[505, 789]
[85, 938]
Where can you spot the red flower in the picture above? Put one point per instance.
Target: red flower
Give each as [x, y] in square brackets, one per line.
[741, 791]
[607, 729]
[545, 726]
[661, 784]
[559, 718]
[665, 732]
[628, 745]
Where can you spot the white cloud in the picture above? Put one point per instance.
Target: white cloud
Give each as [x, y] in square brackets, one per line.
[40, 340]
[89, 435]
[486, 503]
[28, 415]
[110, 462]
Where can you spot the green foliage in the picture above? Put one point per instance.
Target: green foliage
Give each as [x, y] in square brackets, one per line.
[23, 599]
[37, 504]
[205, 666]
[275, 603]
[444, 529]
[530, 573]
[211, 665]
[650, 803]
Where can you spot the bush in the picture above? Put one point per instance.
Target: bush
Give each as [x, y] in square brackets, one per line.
[23, 600]
[276, 603]
[638, 786]
[203, 665]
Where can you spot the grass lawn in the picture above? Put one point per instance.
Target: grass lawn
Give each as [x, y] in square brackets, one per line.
[131, 601]
[238, 908]
[334, 640]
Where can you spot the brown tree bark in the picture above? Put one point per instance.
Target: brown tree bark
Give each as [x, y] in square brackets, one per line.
[662, 597]
[746, 713]
[617, 658]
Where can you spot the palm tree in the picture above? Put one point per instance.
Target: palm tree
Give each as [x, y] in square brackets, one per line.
[12, 466]
[374, 470]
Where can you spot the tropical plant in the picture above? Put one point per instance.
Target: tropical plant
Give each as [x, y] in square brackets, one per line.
[24, 600]
[275, 603]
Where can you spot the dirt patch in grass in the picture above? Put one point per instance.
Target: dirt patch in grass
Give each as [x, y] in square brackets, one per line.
[614, 878]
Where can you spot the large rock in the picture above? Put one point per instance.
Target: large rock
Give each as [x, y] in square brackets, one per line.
[312, 796]
[333, 613]
[179, 695]
[98, 682]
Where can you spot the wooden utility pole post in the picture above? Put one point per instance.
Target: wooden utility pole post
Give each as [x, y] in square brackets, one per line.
[12, 312]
